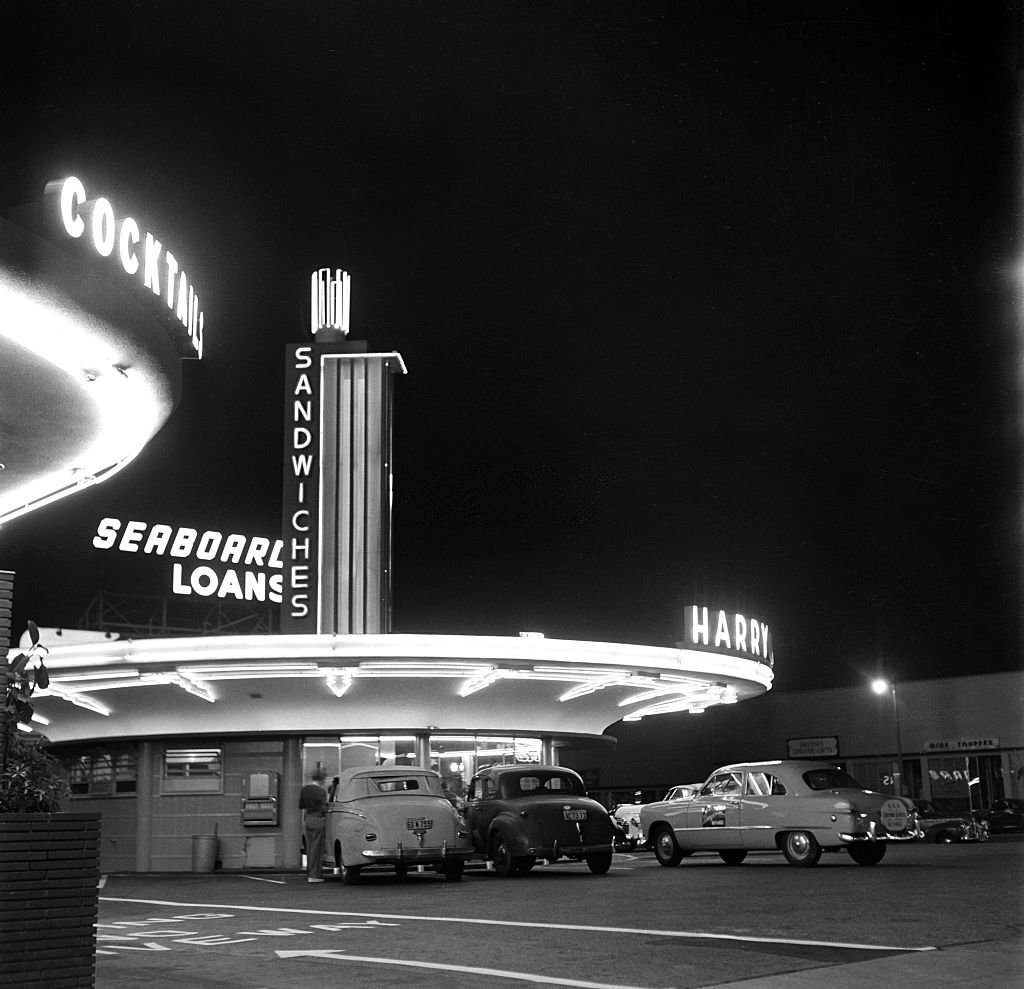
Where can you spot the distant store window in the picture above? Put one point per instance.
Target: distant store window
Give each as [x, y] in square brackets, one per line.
[196, 770]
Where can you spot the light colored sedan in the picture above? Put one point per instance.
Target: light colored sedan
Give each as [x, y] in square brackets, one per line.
[798, 808]
[393, 819]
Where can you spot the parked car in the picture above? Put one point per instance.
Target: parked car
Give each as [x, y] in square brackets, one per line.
[1005, 815]
[682, 792]
[394, 818]
[517, 815]
[944, 827]
[627, 816]
[798, 808]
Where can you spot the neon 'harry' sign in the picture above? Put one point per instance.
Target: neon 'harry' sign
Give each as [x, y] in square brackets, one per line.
[157, 267]
[727, 632]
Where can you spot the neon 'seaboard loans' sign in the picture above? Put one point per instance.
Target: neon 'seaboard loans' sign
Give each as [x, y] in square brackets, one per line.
[714, 630]
[252, 554]
[157, 268]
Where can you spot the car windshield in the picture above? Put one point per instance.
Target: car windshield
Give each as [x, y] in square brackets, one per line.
[830, 779]
[526, 784]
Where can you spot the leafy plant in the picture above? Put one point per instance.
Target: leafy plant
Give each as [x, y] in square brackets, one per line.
[31, 780]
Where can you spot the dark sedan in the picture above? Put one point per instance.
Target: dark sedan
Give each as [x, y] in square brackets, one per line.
[518, 815]
[948, 827]
[1005, 815]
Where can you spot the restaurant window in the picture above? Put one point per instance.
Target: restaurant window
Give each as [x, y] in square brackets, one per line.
[101, 772]
[458, 757]
[332, 756]
[193, 770]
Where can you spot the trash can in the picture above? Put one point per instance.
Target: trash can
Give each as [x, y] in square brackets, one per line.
[204, 852]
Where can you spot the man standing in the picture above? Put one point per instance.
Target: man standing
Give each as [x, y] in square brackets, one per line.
[313, 803]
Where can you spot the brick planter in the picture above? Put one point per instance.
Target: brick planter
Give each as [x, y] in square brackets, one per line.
[49, 896]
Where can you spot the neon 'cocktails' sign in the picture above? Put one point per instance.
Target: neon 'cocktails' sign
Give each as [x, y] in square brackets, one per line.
[139, 254]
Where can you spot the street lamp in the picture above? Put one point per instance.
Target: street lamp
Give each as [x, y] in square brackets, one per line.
[882, 686]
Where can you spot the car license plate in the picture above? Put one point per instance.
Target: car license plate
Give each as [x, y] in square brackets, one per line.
[574, 815]
[418, 824]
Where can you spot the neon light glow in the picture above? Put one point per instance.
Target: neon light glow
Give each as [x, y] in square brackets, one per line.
[128, 407]
[341, 662]
[330, 298]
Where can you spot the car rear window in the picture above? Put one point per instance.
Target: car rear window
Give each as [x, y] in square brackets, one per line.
[530, 783]
[397, 786]
[830, 779]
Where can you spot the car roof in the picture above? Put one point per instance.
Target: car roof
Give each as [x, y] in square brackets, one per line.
[526, 767]
[385, 772]
[794, 765]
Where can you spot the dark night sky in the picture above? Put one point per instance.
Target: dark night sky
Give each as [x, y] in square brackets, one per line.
[700, 302]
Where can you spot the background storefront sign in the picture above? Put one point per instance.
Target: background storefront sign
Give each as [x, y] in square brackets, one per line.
[812, 748]
[961, 744]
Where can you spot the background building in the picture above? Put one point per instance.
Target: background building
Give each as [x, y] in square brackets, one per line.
[951, 731]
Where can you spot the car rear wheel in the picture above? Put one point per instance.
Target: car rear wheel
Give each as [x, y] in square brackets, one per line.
[944, 837]
[505, 863]
[401, 871]
[732, 856]
[599, 863]
[453, 870]
[666, 848]
[350, 874]
[868, 854]
[801, 848]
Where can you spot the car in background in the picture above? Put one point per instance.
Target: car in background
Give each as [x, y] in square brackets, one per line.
[627, 816]
[945, 828]
[519, 815]
[682, 791]
[799, 808]
[393, 819]
[1004, 815]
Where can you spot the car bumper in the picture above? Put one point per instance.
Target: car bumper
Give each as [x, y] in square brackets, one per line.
[874, 833]
[400, 854]
[557, 851]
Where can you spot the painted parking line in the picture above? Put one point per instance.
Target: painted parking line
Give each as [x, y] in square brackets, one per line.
[578, 928]
[547, 980]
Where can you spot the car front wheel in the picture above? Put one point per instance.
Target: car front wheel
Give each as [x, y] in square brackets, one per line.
[666, 848]
[350, 874]
[801, 848]
[599, 863]
[870, 854]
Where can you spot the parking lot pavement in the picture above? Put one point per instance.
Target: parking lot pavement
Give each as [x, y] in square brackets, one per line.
[937, 916]
[991, 965]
